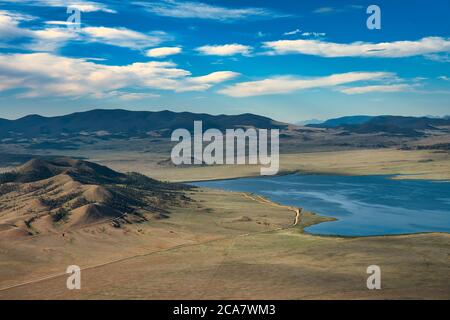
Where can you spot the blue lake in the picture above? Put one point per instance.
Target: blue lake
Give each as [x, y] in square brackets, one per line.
[363, 205]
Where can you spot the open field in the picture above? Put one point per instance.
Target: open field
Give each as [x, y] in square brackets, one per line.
[414, 164]
[228, 245]
[225, 245]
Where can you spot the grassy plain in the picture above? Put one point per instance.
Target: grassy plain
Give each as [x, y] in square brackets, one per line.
[225, 245]
[228, 245]
[413, 164]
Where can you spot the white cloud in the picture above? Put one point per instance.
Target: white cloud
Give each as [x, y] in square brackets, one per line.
[43, 74]
[341, 9]
[293, 32]
[17, 16]
[314, 34]
[394, 49]
[215, 77]
[288, 84]
[324, 10]
[42, 40]
[52, 38]
[377, 88]
[179, 9]
[224, 50]
[9, 25]
[205, 82]
[82, 5]
[61, 23]
[438, 57]
[131, 96]
[163, 52]
[261, 34]
[122, 37]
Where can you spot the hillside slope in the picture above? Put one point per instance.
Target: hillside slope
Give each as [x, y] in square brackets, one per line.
[45, 196]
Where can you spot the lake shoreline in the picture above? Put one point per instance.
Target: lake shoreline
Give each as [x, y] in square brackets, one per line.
[396, 230]
[392, 176]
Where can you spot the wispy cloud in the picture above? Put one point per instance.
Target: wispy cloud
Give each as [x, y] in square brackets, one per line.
[215, 77]
[224, 50]
[378, 88]
[17, 16]
[56, 35]
[293, 32]
[50, 39]
[163, 52]
[43, 74]
[203, 83]
[438, 57]
[60, 23]
[305, 33]
[314, 34]
[199, 10]
[394, 49]
[324, 10]
[47, 39]
[331, 10]
[131, 96]
[123, 37]
[261, 34]
[288, 84]
[9, 26]
[82, 5]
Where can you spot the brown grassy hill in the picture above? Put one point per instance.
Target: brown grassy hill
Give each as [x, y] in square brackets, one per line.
[44, 196]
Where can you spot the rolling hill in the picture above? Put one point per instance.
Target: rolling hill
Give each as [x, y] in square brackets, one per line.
[47, 195]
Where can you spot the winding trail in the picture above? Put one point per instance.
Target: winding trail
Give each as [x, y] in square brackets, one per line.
[185, 245]
[263, 200]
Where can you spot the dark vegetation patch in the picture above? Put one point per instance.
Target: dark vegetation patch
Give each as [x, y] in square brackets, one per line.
[7, 188]
[8, 177]
[58, 202]
[437, 146]
[61, 214]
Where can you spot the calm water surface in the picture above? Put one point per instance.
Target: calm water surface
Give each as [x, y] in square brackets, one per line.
[363, 205]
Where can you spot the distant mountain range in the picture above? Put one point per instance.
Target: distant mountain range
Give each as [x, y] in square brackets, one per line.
[310, 121]
[337, 122]
[126, 123]
[408, 126]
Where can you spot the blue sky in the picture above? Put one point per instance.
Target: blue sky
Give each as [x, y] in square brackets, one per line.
[290, 60]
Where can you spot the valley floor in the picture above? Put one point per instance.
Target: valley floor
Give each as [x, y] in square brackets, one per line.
[223, 246]
[413, 164]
